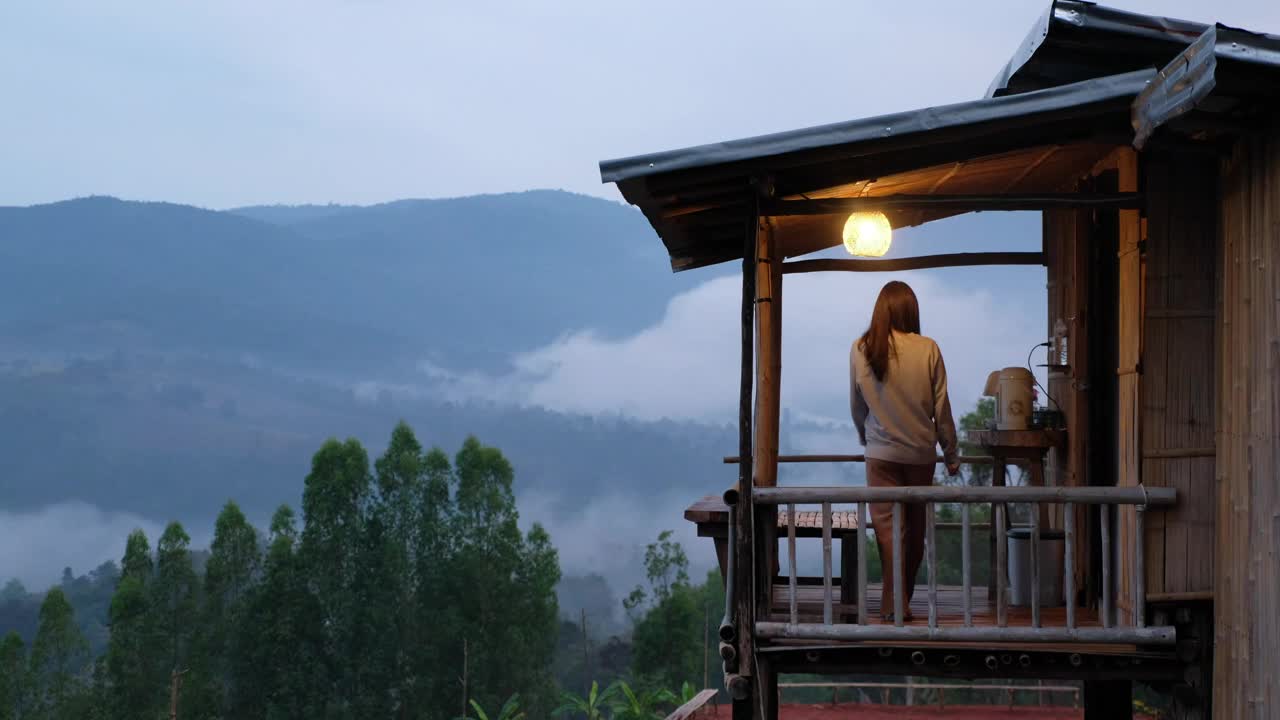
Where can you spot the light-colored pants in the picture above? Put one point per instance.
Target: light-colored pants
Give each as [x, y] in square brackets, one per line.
[881, 473]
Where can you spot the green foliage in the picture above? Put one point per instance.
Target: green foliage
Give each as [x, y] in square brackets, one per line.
[13, 676]
[644, 705]
[510, 711]
[58, 651]
[173, 592]
[591, 706]
[669, 618]
[363, 612]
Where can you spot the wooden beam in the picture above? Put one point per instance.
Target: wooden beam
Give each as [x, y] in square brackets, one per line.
[964, 203]
[920, 262]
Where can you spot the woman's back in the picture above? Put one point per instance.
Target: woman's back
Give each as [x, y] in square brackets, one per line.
[903, 417]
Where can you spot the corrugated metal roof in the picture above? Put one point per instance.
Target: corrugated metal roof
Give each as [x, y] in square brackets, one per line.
[700, 199]
[1076, 40]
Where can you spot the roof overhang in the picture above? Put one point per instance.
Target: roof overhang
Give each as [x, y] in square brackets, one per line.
[1199, 96]
[701, 200]
[1076, 40]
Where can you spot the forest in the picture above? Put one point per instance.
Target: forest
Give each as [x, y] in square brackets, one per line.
[406, 588]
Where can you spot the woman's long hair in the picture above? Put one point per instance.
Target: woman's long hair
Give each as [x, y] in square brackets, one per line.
[896, 309]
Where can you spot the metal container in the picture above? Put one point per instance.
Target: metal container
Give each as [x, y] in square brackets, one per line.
[1052, 543]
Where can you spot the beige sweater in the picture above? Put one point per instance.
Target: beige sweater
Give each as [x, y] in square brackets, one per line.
[907, 416]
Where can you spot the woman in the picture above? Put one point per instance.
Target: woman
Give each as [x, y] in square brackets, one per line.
[898, 393]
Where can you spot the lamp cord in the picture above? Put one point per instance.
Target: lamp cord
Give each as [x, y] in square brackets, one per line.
[1036, 379]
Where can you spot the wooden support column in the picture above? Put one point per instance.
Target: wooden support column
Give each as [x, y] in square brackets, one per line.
[768, 314]
[1129, 377]
[742, 555]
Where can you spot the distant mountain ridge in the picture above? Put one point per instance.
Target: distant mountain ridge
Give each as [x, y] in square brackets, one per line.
[160, 358]
[465, 282]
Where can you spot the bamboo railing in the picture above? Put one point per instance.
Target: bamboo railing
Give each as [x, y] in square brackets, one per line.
[998, 497]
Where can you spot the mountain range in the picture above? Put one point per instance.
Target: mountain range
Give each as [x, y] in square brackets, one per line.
[160, 359]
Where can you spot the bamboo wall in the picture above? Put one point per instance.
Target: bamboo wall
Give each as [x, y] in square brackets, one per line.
[1246, 681]
[1177, 362]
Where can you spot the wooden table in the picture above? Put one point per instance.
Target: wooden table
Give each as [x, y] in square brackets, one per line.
[711, 515]
[1029, 446]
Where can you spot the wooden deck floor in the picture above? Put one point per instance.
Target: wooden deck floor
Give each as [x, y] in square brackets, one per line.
[950, 607]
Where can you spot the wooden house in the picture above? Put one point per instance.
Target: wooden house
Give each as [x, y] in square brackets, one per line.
[1151, 146]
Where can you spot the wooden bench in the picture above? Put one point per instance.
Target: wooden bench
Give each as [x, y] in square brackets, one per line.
[711, 515]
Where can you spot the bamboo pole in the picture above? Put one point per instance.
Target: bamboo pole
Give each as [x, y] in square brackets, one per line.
[1035, 565]
[965, 203]
[1165, 635]
[932, 543]
[1001, 569]
[1069, 574]
[963, 459]
[897, 565]
[742, 589]
[826, 563]
[1136, 495]
[863, 617]
[966, 571]
[1140, 569]
[920, 262]
[1105, 510]
[791, 560]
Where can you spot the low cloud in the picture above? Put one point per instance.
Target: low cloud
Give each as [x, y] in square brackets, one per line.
[35, 546]
[607, 536]
[686, 365]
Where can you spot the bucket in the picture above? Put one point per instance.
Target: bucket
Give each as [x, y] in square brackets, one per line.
[1014, 398]
[1052, 543]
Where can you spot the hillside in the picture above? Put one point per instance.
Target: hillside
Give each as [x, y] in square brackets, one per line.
[158, 359]
[345, 291]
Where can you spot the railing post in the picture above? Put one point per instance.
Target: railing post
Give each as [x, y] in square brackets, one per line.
[1105, 522]
[965, 570]
[897, 564]
[1002, 568]
[1140, 569]
[826, 563]
[791, 561]
[932, 541]
[863, 618]
[1069, 579]
[1035, 565]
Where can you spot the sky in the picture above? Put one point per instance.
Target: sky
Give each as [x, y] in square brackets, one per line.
[236, 103]
[243, 102]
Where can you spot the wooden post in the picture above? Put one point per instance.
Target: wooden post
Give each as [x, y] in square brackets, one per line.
[768, 315]
[743, 588]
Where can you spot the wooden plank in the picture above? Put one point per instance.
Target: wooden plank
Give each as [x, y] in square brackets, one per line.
[695, 704]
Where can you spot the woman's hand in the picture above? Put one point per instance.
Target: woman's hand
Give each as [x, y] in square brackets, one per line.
[953, 469]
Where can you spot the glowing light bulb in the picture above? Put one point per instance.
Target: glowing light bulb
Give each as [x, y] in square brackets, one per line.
[867, 234]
